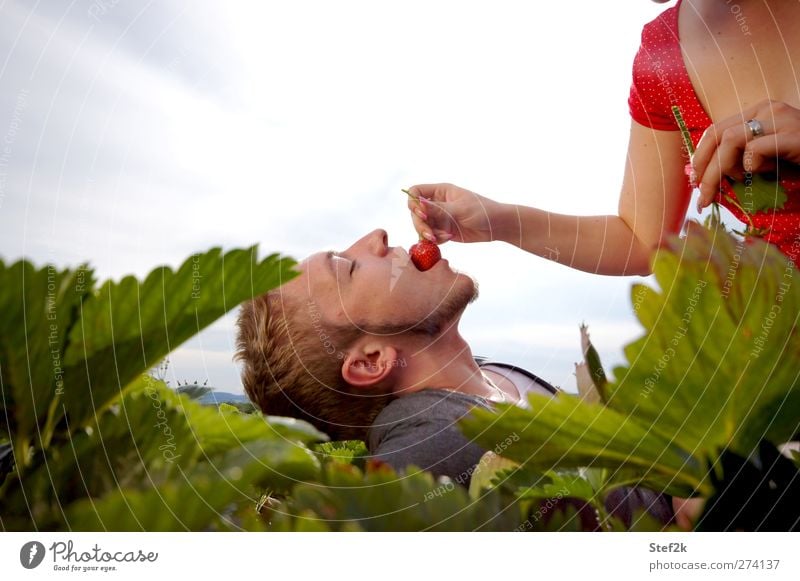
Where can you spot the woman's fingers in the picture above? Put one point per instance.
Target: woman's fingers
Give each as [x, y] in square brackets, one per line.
[732, 131]
[419, 216]
[726, 161]
[430, 220]
[709, 142]
[448, 212]
[730, 148]
[442, 236]
[757, 155]
[436, 192]
[708, 189]
[763, 153]
[422, 228]
[438, 218]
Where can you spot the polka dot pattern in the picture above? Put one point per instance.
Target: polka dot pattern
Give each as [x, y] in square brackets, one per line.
[660, 80]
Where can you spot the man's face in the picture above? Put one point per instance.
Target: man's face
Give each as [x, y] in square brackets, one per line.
[371, 285]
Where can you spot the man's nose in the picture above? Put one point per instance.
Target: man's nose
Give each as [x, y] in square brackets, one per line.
[376, 242]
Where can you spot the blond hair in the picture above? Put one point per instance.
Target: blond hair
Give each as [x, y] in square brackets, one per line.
[291, 370]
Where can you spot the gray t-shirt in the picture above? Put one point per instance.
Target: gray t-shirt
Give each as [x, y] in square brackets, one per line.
[421, 429]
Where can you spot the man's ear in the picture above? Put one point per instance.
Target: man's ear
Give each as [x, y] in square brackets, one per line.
[368, 363]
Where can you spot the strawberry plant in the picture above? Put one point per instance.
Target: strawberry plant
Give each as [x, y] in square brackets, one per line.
[89, 440]
[713, 378]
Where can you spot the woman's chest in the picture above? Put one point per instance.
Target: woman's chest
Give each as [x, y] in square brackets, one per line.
[730, 73]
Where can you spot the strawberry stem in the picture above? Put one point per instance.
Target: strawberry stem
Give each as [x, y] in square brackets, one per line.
[733, 202]
[716, 219]
[687, 138]
[413, 197]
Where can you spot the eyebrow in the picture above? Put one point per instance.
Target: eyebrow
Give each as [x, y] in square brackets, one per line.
[329, 264]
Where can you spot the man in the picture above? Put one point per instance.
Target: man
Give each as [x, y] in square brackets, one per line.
[365, 346]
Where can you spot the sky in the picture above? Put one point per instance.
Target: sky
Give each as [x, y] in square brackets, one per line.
[134, 134]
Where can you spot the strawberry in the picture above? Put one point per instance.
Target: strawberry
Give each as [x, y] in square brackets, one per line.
[424, 254]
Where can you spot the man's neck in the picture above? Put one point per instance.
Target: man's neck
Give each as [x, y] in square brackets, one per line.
[446, 362]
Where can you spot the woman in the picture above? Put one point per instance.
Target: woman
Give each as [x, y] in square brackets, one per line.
[732, 70]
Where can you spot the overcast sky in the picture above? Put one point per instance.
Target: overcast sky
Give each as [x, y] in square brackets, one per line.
[134, 134]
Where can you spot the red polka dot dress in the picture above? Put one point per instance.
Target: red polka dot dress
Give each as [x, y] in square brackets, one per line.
[660, 80]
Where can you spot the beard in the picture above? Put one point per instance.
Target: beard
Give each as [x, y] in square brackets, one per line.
[462, 293]
[451, 308]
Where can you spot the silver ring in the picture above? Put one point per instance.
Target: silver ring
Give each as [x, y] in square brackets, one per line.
[755, 127]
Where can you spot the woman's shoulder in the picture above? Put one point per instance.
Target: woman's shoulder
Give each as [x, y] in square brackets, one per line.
[660, 44]
[659, 77]
[666, 23]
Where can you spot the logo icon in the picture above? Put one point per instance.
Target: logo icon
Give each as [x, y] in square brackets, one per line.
[400, 261]
[31, 554]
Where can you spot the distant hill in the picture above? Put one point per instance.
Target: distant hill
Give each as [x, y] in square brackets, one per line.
[216, 397]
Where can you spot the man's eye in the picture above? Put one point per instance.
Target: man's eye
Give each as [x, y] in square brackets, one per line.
[352, 267]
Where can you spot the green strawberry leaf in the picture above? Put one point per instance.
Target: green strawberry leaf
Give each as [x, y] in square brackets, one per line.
[379, 499]
[715, 370]
[39, 308]
[759, 194]
[716, 367]
[564, 432]
[126, 327]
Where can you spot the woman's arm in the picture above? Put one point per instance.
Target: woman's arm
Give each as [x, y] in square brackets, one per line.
[652, 204]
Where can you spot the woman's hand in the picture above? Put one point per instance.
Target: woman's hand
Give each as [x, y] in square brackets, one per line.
[443, 212]
[729, 148]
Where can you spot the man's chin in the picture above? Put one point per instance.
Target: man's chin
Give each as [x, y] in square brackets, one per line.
[462, 292]
[475, 291]
[469, 289]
